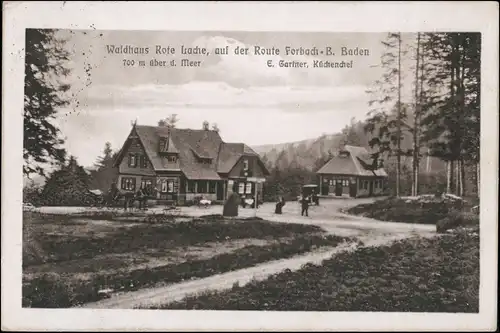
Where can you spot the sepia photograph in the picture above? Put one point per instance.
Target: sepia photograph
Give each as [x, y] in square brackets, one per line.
[246, 170]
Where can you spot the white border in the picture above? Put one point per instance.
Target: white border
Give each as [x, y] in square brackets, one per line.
[289, 16]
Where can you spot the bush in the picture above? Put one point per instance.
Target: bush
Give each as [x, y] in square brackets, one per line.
[48, 291]
[457, 219]
[231, 205]
[399, 210]
[413, 275]
[51, 291]
[161, 232]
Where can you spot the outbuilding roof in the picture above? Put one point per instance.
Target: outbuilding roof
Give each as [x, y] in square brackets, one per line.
[352, 160]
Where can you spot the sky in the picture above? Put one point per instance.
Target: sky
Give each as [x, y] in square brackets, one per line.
[249, 101]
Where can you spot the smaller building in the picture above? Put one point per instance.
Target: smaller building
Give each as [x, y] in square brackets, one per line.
[352, 173]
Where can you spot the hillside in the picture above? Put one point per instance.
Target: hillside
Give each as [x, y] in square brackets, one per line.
[305, 153]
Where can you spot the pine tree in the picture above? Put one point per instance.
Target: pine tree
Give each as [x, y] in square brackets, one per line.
[43, 96]
[452, 120]
[105, 173]
[107, 158]
[418, 101]
[68, 186]
[385, 126]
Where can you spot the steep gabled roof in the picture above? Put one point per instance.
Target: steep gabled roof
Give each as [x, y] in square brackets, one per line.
[231, 153]
[150, 139]
[191, 146]
[356, 163]
[169, 146]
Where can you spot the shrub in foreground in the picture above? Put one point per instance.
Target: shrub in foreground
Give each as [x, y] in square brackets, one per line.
[159, 236]
[53, 291]
[414, 211]
[457, 219]
[436, 275]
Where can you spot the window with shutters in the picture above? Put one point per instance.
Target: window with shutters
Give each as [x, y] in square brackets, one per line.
[146, 183]
[128, 184]
[248, 188]
[241, 188]
[170, 186]
[163, 187]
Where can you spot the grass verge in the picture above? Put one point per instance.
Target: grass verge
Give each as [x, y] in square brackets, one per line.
[414, 275]
[400, 210]
[58, 238]
[52, 242]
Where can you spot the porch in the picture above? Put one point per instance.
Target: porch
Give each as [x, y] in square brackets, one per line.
[349, 186]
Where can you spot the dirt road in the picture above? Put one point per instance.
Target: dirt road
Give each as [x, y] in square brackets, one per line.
[370, 232]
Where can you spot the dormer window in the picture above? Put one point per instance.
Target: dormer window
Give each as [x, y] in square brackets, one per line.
[163, 144]
[172, 158]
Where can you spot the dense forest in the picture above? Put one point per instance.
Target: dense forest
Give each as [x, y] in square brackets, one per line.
[428, 142]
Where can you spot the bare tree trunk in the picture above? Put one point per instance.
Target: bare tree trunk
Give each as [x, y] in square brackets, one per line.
[451, 148]
[450, 186]
[461, 95]
[449, 173]
[478, 179]
[461, 172]
[457, 178]
[414, 188]
[420, 111]
[398, 153]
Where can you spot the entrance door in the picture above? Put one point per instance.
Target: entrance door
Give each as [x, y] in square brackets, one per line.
[353, 187]
[338, 189]
[220, 191]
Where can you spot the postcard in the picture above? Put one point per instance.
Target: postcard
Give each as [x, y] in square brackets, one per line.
[250, 166]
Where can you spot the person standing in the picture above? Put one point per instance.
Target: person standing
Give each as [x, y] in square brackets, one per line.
[141, 196]
[279, 206]
[305, 206]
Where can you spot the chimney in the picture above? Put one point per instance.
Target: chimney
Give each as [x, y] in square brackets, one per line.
[206, 125]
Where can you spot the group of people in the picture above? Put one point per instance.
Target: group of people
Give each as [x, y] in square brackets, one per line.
[141, 195]
[304, 201]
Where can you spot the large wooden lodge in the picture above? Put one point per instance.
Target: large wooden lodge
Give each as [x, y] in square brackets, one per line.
[183, 164]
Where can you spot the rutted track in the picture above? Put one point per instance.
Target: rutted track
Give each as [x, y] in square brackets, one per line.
[370, 232]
